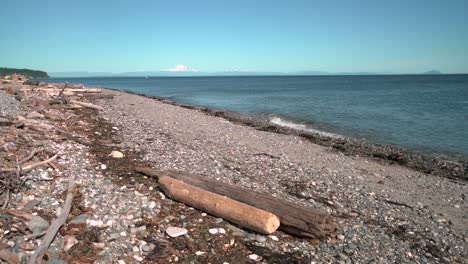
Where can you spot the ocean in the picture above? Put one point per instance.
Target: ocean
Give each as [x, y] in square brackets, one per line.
[427, 113]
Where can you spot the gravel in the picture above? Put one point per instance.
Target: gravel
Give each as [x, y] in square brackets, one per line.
[387, 213]
[9, 106]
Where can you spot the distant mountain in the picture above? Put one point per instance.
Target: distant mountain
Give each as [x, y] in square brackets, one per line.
[160, 73]
[25, 72]
[220, 73]
[432, 72]
[310, 73]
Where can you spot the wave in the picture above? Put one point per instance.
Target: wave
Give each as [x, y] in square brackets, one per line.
[285, 123]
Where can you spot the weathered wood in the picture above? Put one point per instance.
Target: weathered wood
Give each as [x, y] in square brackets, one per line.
[30, 166]
[296, 220]
[9, 257]
[55, 226]
[236, 212]
[89, 105]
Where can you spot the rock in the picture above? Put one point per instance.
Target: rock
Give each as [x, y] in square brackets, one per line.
[26, 246]
[221, 231]
[275, 238]
[69, 242]
[341, 237]
[218, 220]
[260, 238]
[116, 154]
[80, 219]
[32, 204]
[254, 257]
[152, 205]
[97, 223]
[38, 224]
[113, 237]
[146, 248]
[213, 231]
[176, 231]
[342, 256]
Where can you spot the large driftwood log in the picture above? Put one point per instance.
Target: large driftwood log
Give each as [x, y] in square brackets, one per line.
[296, 220]
[236, 212]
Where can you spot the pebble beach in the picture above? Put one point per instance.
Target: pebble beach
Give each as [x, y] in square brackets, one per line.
[386, 212]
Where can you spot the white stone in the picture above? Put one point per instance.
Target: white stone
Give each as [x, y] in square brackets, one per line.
[275, 238]
[123, 234]
[199, 253]
[221, 231]
[152, 205]
[103, 166]
[213, 231]
[116, 154]
[253, 256]
[176, 231]
[97, 223]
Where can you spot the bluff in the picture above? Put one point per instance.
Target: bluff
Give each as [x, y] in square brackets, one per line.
[25, 72]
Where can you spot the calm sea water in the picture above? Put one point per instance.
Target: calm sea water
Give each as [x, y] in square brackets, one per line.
[420, 112]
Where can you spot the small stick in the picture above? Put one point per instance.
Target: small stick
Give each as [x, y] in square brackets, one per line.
[30, 166]
[31, 236]
[30, 156]
[7, 199]
[55, 226]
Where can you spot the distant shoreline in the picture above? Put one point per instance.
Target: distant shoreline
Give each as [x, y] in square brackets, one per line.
[249, 75]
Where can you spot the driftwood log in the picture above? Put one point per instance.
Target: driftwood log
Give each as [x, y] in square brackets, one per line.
[236, 212]
[89, 105]
[55, 226]
[296, 220]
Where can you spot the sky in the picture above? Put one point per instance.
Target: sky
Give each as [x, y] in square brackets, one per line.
[215, 36]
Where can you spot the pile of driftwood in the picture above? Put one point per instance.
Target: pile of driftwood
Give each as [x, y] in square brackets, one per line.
[25, 145]
[256, 211]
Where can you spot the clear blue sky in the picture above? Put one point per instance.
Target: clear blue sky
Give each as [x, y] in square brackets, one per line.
[254, 35]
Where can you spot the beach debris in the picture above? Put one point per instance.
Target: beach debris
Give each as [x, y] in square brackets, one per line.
[55, 225]
[295, 219]
[88, 105]
[176, 231]
[9, 257]
[116, 154]
[242, 214]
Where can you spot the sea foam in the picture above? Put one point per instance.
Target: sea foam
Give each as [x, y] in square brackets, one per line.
[285, 123]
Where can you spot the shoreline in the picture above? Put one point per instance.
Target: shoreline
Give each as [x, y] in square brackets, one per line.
[403, 214]
[444, 165]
